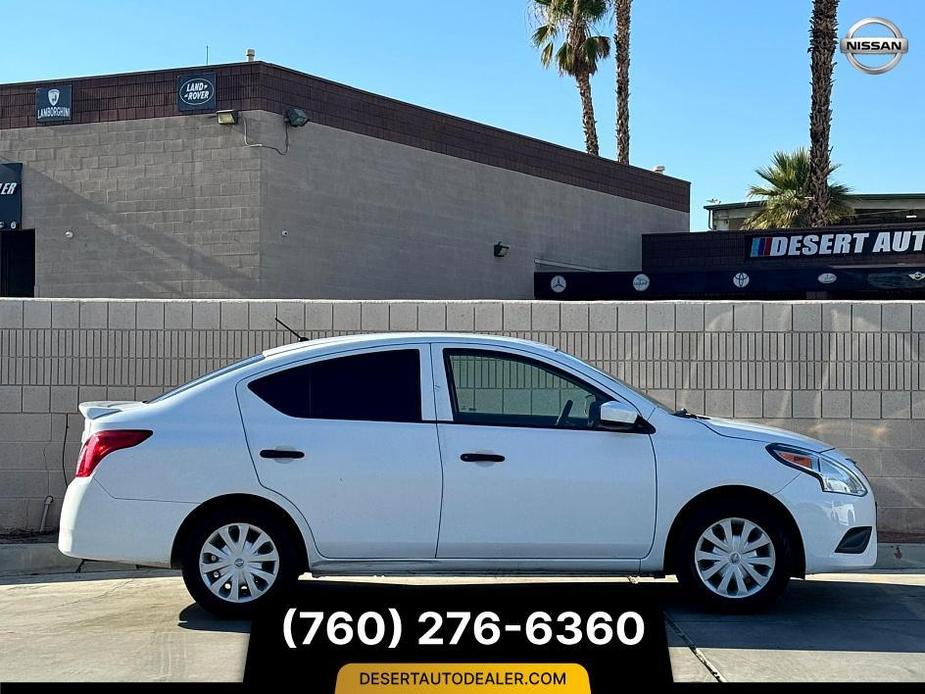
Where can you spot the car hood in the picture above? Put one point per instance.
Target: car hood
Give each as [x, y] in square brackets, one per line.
[765, 434]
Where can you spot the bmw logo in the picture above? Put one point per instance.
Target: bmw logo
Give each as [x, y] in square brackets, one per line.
[741, 280]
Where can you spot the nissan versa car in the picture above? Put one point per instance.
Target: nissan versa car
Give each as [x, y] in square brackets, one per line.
[452, 454]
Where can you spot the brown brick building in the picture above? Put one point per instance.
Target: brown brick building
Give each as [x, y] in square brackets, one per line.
[128, 190]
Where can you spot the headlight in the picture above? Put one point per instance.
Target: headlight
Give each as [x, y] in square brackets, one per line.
[832, 475]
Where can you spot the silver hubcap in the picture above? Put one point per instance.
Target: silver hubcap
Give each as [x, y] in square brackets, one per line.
[239, 562]
[734, 558]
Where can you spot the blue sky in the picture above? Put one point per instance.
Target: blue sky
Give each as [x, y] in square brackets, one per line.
[717, 85]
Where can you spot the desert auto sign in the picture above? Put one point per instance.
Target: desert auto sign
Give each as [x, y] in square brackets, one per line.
[196, 92]
[834, 244]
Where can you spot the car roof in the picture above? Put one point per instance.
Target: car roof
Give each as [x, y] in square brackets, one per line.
[381, 339]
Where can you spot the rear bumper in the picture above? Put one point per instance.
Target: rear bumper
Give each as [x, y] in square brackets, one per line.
[95, 525]
[824, 519]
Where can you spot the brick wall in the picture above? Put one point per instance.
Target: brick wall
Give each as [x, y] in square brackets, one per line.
[848, 373]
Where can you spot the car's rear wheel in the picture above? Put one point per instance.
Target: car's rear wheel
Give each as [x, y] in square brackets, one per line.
[734, 557]
[235, 561]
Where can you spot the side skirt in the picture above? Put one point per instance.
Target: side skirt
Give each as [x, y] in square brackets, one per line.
[477, 567]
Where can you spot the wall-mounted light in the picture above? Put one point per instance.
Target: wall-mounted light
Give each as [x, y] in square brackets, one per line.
[68, 234]
[227, 117]
[501, 249]
[296, 117]
[284, 233]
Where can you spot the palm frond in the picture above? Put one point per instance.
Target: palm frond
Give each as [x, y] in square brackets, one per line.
[573, 21]
[594, 48]
[786, 193]
[542, 34]
[546, 54]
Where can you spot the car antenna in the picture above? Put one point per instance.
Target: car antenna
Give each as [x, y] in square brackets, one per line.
[302, 338]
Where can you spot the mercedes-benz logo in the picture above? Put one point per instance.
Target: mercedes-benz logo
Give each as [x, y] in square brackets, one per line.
[896, 45]
[557, 284]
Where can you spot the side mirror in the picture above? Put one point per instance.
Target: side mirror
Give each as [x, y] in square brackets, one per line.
[616, 415]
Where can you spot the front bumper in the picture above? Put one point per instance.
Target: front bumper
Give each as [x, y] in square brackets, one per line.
[95, 525]
[824, 518]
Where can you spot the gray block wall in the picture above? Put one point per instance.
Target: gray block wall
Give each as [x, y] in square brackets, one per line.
[160, 207]
[849, 373]
[180, 207]
[373, 219]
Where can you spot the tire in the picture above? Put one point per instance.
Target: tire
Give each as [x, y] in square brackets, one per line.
[246, 577]
[755, 578]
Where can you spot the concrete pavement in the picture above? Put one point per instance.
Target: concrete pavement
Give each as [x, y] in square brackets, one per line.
[835, 627]
[142, 625]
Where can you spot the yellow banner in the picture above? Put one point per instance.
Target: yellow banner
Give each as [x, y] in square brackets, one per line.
[463, 678]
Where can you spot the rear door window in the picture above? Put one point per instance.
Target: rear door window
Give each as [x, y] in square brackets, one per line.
[377, 386]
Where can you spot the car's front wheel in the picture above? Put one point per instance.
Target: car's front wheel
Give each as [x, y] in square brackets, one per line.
[734, 556]
[236, 561]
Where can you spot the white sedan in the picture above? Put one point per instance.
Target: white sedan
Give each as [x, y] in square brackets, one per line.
[452, 454]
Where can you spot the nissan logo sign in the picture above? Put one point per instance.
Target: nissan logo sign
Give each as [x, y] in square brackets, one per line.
[895, 45]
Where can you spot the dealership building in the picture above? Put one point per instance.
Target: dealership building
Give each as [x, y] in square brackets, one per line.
[863, 261]
[253, 180]
[876, 253]
[867, 208]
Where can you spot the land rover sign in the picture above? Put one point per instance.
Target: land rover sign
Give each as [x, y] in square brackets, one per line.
[196, 92]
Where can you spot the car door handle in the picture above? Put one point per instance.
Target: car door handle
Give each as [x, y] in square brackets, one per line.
[277, 453]
[481, 458]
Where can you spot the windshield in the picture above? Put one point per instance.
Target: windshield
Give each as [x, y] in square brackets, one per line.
[208, 377]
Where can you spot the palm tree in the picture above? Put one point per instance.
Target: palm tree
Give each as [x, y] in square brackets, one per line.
[786, 193]
[578, 53]
[822, 37]
[621, 19]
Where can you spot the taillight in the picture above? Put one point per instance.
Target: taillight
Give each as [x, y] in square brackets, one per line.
[102, 443]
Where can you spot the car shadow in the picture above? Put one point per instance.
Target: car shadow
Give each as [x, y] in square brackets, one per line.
[825, 615]
[197, 619]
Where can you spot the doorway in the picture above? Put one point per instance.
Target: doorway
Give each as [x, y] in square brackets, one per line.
[17, 262]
